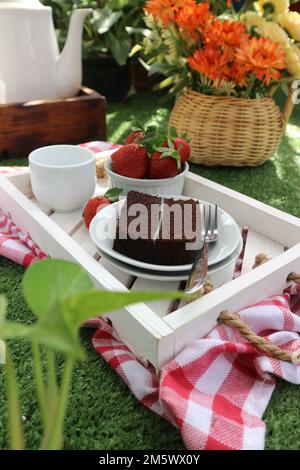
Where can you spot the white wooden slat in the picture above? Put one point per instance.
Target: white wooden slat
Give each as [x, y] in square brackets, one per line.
[273, 223]
[82, 237]
[22, 181]
[70, 222]
[257, 243]
[123, 277]
[46, 209]
[161, 307]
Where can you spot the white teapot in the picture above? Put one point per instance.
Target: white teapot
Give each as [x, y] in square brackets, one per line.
[31, 67]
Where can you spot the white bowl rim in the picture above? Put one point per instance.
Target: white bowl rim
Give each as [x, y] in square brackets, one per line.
[144, 181]
[88, 152]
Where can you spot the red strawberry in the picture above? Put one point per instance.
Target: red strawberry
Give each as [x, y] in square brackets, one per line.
[98, 203]
[183, 147]
[135, 137]
[131, 161]
[162, 167]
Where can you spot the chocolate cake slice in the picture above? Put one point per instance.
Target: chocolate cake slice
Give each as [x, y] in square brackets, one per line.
[158, 230]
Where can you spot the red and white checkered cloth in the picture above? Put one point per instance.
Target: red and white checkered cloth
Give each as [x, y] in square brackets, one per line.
[217, 389]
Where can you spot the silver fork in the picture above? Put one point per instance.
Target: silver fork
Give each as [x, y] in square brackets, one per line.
[199, 269]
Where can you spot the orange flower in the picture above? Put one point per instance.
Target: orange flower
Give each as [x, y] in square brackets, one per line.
[238, 75]
[227, 33]
[194, 17]
[263, 57]
[166, 10]
[210, 62]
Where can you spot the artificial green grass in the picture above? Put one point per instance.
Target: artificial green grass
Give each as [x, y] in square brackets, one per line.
[102, 413]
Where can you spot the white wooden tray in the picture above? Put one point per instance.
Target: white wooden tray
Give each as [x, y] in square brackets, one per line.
[153, 331]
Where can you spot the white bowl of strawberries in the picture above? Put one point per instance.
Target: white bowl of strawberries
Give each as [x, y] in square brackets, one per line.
[149, 163]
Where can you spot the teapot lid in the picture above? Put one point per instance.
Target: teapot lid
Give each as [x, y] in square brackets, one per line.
[23, 4]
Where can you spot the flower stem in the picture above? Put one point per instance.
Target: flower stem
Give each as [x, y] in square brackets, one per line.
[16, 438]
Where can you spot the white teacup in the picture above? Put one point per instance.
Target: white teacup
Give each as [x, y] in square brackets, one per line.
[63, 177]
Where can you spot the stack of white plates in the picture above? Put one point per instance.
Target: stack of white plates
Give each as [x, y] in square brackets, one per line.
[222, 255]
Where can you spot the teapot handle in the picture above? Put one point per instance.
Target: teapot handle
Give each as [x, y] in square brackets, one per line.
[288, 108]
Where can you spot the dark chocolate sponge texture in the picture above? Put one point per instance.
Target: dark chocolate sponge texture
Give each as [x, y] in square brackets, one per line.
[160, 232]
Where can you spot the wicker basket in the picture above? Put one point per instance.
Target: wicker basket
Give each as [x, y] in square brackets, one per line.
[230, 131]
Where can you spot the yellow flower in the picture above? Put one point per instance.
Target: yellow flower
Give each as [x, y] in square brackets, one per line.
[293, 61]
[252, 20]
[275, 32]
[271, 7]
[290, 21]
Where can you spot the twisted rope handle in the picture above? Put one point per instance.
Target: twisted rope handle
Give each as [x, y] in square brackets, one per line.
[288, 108]
[261, 344]
[294, 277]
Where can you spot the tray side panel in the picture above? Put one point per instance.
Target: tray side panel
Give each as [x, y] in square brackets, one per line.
[198, 318]
[274, 224]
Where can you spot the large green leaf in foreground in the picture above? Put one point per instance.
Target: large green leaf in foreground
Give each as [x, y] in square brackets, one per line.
[60, 294]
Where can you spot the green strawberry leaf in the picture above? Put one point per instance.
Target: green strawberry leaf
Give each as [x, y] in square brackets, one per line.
[170, 152]
[137, 129]
[170, 143]
[185, 137]
[113, 194]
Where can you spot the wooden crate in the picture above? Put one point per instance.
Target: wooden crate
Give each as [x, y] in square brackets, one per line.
[153, 331]
[27, 126]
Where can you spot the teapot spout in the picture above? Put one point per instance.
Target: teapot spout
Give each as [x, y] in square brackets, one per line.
[68, 71]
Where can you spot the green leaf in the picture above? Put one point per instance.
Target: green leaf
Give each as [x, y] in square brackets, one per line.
[120, 47]
[158, 67]
[106, 19]
[135, 50]
[167, 82]
[60, 294]
[173, 133]
[143, 31]
[12, 330]
[144, 64]
[80, 307]
[46, 285]
[113, 194]
[50, 281]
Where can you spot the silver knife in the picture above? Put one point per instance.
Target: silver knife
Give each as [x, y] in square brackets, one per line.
[199, 270]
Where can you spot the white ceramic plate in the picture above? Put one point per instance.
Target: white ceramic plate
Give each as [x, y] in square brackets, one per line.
[103, 229]
[218, 274]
